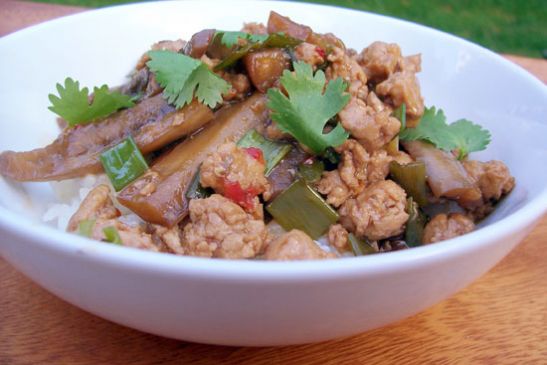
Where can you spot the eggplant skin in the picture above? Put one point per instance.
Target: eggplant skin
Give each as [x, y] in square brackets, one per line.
[152, 123]
[159, 196]
[445, 175]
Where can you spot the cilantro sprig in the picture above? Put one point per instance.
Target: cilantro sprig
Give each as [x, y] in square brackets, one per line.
[184, 78]
[73, 104]
[307, 108]
[462, 135]
[231, 38]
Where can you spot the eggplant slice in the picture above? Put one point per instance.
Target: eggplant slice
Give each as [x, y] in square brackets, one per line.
[153, 124]
[159, 196]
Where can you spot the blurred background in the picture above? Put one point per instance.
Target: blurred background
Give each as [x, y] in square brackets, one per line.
[507, 26]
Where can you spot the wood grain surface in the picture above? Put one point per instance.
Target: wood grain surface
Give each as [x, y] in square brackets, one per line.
[500, 319]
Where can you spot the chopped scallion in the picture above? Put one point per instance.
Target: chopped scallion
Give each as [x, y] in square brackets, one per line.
[85, 227]
[123, 163]
[414, 230]
[412, 178]
[111, 234]
[300, 207]
[360, 247]
[273, 151]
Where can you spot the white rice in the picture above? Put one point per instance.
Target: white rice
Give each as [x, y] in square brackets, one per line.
[69, 194]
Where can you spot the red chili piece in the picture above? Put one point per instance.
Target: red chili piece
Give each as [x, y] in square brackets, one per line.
[243, 197]
[255, 153]
[321, 52]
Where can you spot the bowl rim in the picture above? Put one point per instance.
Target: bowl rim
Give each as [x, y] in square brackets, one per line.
[126, 258]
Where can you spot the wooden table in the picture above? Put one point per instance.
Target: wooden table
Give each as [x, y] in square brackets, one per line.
[501, 318]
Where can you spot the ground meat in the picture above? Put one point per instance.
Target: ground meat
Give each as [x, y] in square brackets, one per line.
[254, 28]
[168, 237]
[338, 237]
[403, 87]
[402, 158]
[96, 205]
[377, 213]
[174, 46]
[380, 60]
[493, 178]
[220, 228]
[272, 131]
[372, 129]
[375, 103]
[353, 164]
[239, 86]
[233, 167]
[378, 166]
[332, 185]
[131, 235]
[411, 63]
[295, 245]
[356, 170]
[443, 227]
[346, 67]
[309, 53]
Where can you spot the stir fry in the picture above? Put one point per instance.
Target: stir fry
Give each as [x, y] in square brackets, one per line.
[275, 143]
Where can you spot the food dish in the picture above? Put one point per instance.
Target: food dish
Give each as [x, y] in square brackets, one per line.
[267, 143]
[326, 269]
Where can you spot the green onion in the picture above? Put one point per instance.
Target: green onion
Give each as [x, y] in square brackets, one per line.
[400, 113]
[412, 178]
[195, 190]
[112, 235]
[123, 163]
[414, 230]
[360, 247]
[311, 172]
[273, 152]
[85, 227]
[300, 207]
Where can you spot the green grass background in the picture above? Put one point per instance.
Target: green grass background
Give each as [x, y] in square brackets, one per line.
[508, 26]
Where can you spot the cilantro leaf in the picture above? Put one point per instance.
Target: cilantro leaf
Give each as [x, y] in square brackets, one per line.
[184, 77]
[462, 135]
[432, 128]
[469, 137]
[307, 109]
[230, 39]
[73, 104]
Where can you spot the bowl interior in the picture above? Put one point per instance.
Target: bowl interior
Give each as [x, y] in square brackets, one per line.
[463, 79]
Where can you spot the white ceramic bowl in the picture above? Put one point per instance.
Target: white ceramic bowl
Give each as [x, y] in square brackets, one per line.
[247, 302]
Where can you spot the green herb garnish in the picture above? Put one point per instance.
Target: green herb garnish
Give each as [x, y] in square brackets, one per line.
[230, 39]
[462, 135]
[307, 109]
[85, 227]
[111, 234]
[184, 78]
[73, 104]
[123, 163]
